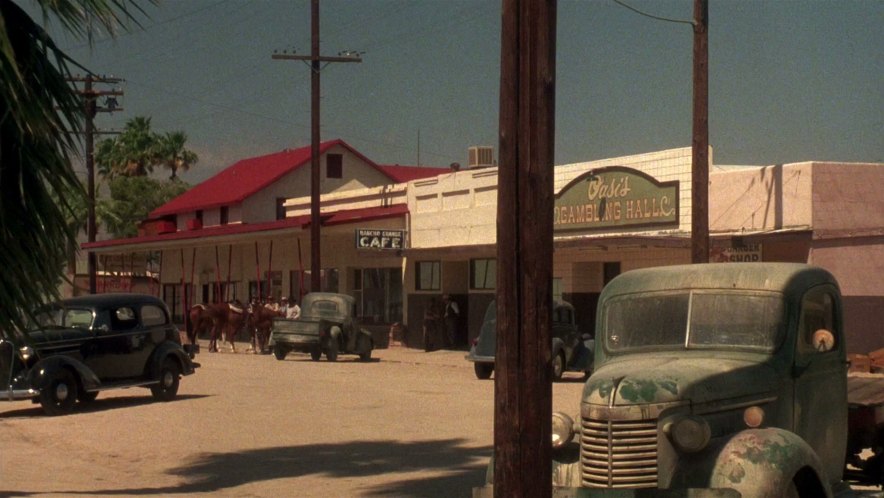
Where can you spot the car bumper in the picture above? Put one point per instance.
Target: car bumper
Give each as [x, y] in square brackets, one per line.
[18, 394]
[563, 492]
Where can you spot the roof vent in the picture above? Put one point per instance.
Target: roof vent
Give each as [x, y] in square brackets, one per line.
[481, 157]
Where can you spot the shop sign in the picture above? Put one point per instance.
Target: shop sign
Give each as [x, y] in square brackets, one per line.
[379, 239]
[743, 253]
[615, 197]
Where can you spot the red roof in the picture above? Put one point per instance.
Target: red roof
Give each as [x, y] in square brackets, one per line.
[246, 177]
[404, 174]
[299, 222]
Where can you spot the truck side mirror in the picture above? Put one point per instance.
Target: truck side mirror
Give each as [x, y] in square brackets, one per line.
[823, 340]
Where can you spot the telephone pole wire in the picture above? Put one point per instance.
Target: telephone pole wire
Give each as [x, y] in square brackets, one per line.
[315, 68]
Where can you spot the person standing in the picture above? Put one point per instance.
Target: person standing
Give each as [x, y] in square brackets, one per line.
[451, 316]
[293, 311]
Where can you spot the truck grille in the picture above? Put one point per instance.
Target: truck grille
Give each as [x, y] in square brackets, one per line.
[618, 453]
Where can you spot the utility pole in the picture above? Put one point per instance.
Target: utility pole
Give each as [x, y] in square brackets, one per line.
[522, 383]
[90, 96]
[700, 141]
[315, 68]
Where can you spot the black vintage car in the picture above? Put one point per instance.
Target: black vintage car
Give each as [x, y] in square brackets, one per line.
[571, 350]
[77, 347]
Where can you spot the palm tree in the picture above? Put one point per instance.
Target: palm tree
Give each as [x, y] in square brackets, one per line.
[132, 153]
[40, 118]
[173, 155]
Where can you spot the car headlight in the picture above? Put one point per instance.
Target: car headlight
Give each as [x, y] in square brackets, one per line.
[690, 433]
[562, 429]
[26, 352]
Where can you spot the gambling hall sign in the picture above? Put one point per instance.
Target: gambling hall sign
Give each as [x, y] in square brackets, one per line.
[615, 197]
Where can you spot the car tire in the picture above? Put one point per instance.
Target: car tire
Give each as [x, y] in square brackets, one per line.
[59, 396]
[558, 366]
[483, 370]
[169, 378]
[279, 352]
[316, 354]
[331, 354]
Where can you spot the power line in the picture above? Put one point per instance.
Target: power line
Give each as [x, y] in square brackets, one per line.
[652, 16]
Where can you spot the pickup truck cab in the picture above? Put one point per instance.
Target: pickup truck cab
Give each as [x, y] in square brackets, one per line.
[327, 325]
[712, 380]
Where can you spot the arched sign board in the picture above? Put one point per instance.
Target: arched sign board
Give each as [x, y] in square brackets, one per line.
[615, 197]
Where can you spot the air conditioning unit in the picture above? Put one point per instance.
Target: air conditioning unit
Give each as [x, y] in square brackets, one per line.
[481, 157]
[194, 224]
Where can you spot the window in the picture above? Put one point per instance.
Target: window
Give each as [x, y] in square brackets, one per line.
[172, 298]
[611, 270]
[280, 208]
[123, 319]
[152, 315]
[483, 274]
[225, 215]
[379, 296]
[199, 216]
[817, 312]
[334, 166]
[428, 275]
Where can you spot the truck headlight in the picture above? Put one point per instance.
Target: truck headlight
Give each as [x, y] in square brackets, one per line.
[753, 416]
[562, 429]
[26, 352]
[690, 434]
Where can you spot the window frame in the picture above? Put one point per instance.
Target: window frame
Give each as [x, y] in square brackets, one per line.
[435, 279]
[490, 267]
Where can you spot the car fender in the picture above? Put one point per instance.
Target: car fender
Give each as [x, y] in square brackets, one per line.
[763, 462]
[557, 346]
[165, 350]
[45, 370]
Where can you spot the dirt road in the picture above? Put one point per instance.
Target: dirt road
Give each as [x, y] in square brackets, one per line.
[407, 424]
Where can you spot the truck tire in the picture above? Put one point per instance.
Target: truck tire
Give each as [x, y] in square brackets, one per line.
[331, 354]
[59, 396]
[279, 352]
[483, 370]
[315, 354]
[558, 366]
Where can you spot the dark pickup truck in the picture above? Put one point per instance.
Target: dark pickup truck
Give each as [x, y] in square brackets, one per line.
[327, 324]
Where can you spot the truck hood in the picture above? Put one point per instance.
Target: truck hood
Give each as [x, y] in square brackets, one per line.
[669, 379]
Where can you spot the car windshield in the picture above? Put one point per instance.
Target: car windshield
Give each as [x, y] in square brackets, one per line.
[694, 320]
[62, 317]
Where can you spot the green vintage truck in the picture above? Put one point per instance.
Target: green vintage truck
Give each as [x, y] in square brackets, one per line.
[328, 325]
[717, 380]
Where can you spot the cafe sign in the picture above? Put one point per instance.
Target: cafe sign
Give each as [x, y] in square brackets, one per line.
[379, 239]
[615, 197]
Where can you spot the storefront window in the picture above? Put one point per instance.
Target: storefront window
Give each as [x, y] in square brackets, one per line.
[483, 274]
[172, 298]
[429, 275]
[378, 295]
[300, 282]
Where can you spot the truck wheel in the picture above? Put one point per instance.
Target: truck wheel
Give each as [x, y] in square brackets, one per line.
[279, 352]
[483, 370]
[59, 396]
[315, 354]
[366, 356]
[331, 354]
[558, 366]
[167, 387]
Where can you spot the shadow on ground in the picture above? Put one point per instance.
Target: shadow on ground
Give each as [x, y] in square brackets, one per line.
[216, 472]
[99, 405]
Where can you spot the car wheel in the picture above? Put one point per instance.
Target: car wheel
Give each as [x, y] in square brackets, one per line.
[483, 370]
[558, 366]
[331, 354]
[279, 352]
[167, 388]
[59, 396]
[315, 354]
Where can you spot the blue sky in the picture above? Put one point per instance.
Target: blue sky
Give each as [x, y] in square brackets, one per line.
[790, 80]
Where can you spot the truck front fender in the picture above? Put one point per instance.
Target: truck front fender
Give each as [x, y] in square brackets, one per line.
[45, 370]
[768, 462]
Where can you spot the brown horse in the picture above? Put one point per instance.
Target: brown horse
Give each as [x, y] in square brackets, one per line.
[259, 323]
[199, 322]
[227, 320]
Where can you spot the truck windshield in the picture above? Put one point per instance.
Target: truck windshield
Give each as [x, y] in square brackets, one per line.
[694, 320]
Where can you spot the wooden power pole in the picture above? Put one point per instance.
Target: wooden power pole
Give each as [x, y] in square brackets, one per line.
[700, 141]
[315, 67]
[522, 386]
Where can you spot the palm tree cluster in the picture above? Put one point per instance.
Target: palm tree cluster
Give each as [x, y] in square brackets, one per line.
[41, 116]
[138, 150]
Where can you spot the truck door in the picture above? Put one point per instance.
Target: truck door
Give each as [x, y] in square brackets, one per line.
[821, 378]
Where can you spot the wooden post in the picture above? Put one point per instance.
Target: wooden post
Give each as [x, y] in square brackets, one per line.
[270, 271]
[258, 273]
[183, 292]
[192, 270]
[523, 389]
[218, 298]
[700, 141]
[229, 262]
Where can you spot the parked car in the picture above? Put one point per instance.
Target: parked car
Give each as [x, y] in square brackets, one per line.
[328, 324]
[571, 350]
[77, 347]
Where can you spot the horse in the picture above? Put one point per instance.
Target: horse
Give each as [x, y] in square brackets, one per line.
[199, 322]
[259, 322]
[227, 320]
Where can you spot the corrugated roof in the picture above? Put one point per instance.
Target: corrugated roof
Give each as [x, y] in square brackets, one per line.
[404, 174]
[246, 177]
